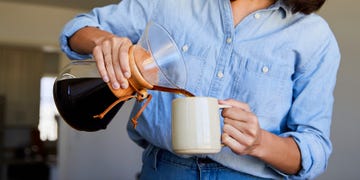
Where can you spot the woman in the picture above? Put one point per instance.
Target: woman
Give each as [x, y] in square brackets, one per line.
[274, 62]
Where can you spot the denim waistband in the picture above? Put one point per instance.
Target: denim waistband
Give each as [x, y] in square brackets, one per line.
[159, 163]
[191, 162]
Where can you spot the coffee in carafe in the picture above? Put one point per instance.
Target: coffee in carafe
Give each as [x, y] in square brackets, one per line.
[81, 98]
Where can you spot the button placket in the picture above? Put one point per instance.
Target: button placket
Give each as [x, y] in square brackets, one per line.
[220, 74]
[229, 40]
[185, 48]
[265, 69]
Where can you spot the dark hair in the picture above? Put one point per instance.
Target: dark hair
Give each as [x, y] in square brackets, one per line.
[304, 6]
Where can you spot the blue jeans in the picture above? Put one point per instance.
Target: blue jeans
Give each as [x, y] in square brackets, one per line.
[159, 164]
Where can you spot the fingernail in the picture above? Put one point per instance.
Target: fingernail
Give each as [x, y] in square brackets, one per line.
[124, 85]
[127, 75]
[116, 85]
[106, 79]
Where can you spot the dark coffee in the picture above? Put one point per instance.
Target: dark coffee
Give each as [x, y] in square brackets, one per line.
[173, 90]
[79, 100]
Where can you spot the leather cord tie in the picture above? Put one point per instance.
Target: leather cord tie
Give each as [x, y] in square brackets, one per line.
[140, 96]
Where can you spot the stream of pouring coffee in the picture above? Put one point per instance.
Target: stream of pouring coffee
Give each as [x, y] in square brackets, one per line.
[173, 90]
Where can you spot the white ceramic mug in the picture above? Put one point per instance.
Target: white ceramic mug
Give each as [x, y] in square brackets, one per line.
[196, 125]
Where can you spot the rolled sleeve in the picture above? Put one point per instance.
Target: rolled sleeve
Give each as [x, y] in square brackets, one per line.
[113, 18]
[315, 152]
[69, 29]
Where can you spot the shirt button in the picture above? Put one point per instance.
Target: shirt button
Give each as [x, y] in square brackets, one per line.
[265, 69]
[185, 48]
[228, 40]
[257, 16]
[220, 74]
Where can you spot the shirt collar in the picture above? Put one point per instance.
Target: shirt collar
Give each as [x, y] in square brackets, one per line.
[279, 5]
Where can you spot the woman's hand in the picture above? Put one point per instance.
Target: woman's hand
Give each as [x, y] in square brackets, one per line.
[242, 132]
[243, 135]
[109, 51]
[111, 55]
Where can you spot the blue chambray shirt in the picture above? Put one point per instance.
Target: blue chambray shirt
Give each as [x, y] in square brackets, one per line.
[283, 65]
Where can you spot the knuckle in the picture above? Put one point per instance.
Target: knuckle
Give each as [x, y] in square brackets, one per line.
[238, 150]
[250, 142]
[108, 64]
[106, 42]
[225, 113]
[247, 107]
[226, 121]
[121, 78]
[126, 41]
[113, 39]
[252, 118]
[226, 128]
[123, 54]
[109, 57]
[252, 133]
[96, 48]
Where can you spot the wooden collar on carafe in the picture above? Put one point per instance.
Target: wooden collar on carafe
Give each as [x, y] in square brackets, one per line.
[138, 86]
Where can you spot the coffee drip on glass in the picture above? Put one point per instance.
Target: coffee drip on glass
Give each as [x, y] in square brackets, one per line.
[87, 103]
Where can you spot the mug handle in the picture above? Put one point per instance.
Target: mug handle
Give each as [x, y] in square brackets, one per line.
[223, 106]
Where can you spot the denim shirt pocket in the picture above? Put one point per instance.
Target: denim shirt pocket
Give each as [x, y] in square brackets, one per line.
[265, 86]
[195, 61]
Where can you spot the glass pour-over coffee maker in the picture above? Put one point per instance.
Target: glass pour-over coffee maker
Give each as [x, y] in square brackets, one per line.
[87, 103]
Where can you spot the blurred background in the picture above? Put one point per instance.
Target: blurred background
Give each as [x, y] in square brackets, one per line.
[36, 144]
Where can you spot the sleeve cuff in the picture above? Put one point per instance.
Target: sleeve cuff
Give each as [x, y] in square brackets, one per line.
[307, 166]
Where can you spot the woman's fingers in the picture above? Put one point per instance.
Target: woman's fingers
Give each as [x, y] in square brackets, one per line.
[98, 56]
[236, 104]
[108, 60]
[242, 132]
[123, 54]
[116, 61]
[112, 61]
[233, 144]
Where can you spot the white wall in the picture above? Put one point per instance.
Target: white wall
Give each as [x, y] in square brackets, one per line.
[115, 156]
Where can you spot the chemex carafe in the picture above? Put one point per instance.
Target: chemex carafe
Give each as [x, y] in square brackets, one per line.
[87, 103]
